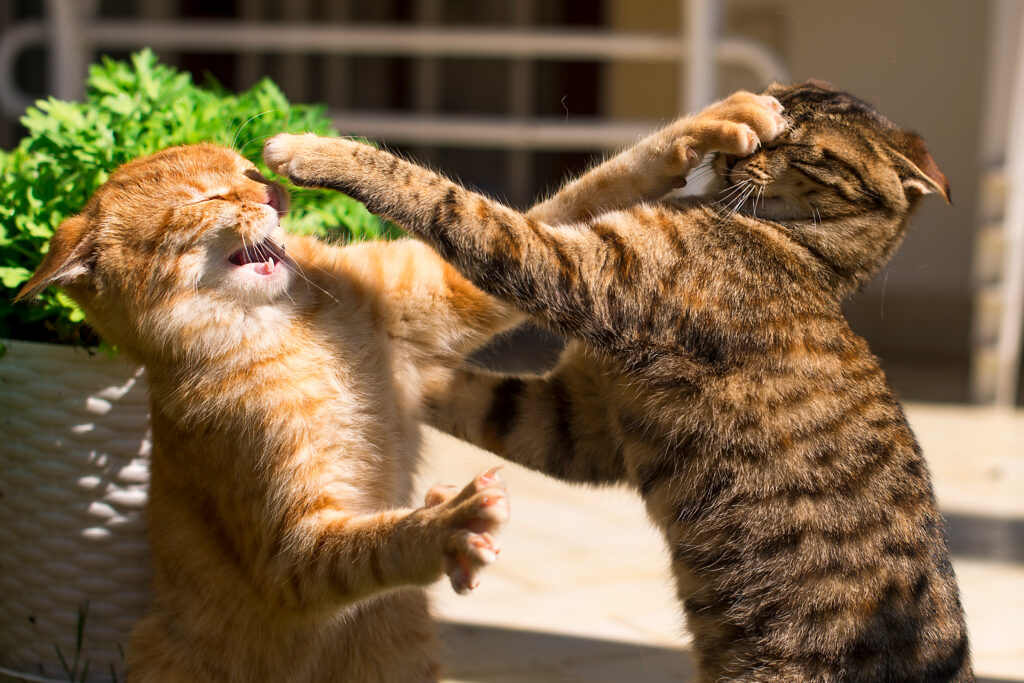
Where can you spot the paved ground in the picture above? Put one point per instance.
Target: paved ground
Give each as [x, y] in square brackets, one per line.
[580, 592]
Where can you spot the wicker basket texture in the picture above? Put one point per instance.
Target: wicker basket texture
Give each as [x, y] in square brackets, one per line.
[74, 469]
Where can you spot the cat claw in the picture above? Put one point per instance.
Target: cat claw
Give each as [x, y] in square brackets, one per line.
[478, 511]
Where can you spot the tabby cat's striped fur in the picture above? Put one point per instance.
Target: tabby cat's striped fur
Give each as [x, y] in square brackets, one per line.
[711, 368]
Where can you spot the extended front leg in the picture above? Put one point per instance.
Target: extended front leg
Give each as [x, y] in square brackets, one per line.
[330, 557]
[660, 163]
[562, 275]
[545, 271]
[559, 424]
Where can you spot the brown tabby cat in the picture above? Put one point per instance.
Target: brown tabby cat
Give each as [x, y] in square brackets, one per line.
[285, 380]
[711, 367]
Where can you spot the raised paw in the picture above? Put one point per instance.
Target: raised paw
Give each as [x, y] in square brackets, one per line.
[280, 150]
[310, 160]
[473, 516]
[738, 125]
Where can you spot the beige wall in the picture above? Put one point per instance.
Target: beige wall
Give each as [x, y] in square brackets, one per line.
[922, 62]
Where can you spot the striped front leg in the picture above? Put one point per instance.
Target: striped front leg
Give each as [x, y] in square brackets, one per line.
[563, 276]
[662, 161]
[557, 425]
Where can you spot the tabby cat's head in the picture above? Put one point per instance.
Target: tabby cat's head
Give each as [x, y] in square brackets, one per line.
[842, 178]
[186, 235]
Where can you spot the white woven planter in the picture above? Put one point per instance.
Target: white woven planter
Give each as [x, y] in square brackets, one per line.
[74, 469]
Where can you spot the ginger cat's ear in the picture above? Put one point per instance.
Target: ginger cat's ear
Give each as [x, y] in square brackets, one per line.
[69, 258]
[920, 173]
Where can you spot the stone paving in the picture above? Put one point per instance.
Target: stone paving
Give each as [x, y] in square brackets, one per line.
[581, 590]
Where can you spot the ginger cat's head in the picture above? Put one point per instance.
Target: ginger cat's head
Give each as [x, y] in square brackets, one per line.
[838, 157]
[180, 244]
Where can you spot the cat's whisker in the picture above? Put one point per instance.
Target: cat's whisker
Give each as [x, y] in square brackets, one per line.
[297, 269]
[732, 187]
[744, 199]
[699, 174]
[256, 139]
[730, 192]
[726, 200]
[815, 216]
[729, 210]
[704, 165]
[738, 199]
[701, 171]
[242, 127]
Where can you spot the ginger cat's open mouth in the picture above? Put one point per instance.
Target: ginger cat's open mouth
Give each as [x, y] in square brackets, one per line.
[263, 258]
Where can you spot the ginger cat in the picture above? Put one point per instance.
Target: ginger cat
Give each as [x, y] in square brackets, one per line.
[285, 379]
[710, 367]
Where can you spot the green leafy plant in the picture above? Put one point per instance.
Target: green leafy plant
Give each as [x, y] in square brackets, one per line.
[133, 109]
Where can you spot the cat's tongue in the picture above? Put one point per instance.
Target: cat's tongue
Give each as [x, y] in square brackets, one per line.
[263, 258]
[265, 268]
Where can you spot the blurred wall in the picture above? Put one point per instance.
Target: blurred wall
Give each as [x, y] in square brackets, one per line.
[922, 63]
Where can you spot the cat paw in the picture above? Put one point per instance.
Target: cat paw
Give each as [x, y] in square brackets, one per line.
[281, 150]
[473, 516]
[738, 125]
[312, 161]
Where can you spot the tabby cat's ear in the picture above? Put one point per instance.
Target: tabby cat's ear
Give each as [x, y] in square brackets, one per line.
[920, 173]
[69, 258]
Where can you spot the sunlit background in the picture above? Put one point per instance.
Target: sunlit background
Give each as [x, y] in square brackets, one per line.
[516, 113]
[514, 96]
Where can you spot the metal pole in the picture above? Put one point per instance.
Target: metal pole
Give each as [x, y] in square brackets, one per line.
[336, 82]
[1009, 349]
[427, 80]
[699, 34]
[294, 67]
[68, 59]
[520, 106]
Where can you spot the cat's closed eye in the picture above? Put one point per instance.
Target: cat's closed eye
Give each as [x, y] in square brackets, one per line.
[208, 198]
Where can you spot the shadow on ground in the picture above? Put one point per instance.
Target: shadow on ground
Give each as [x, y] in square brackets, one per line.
[492, 654]
[997, 539]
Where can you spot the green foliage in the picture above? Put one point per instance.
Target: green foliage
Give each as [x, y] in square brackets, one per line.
[132, 110]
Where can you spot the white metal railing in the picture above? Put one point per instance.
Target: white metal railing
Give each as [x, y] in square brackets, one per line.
[1012, 319]
[72, 36]
[999, 245]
